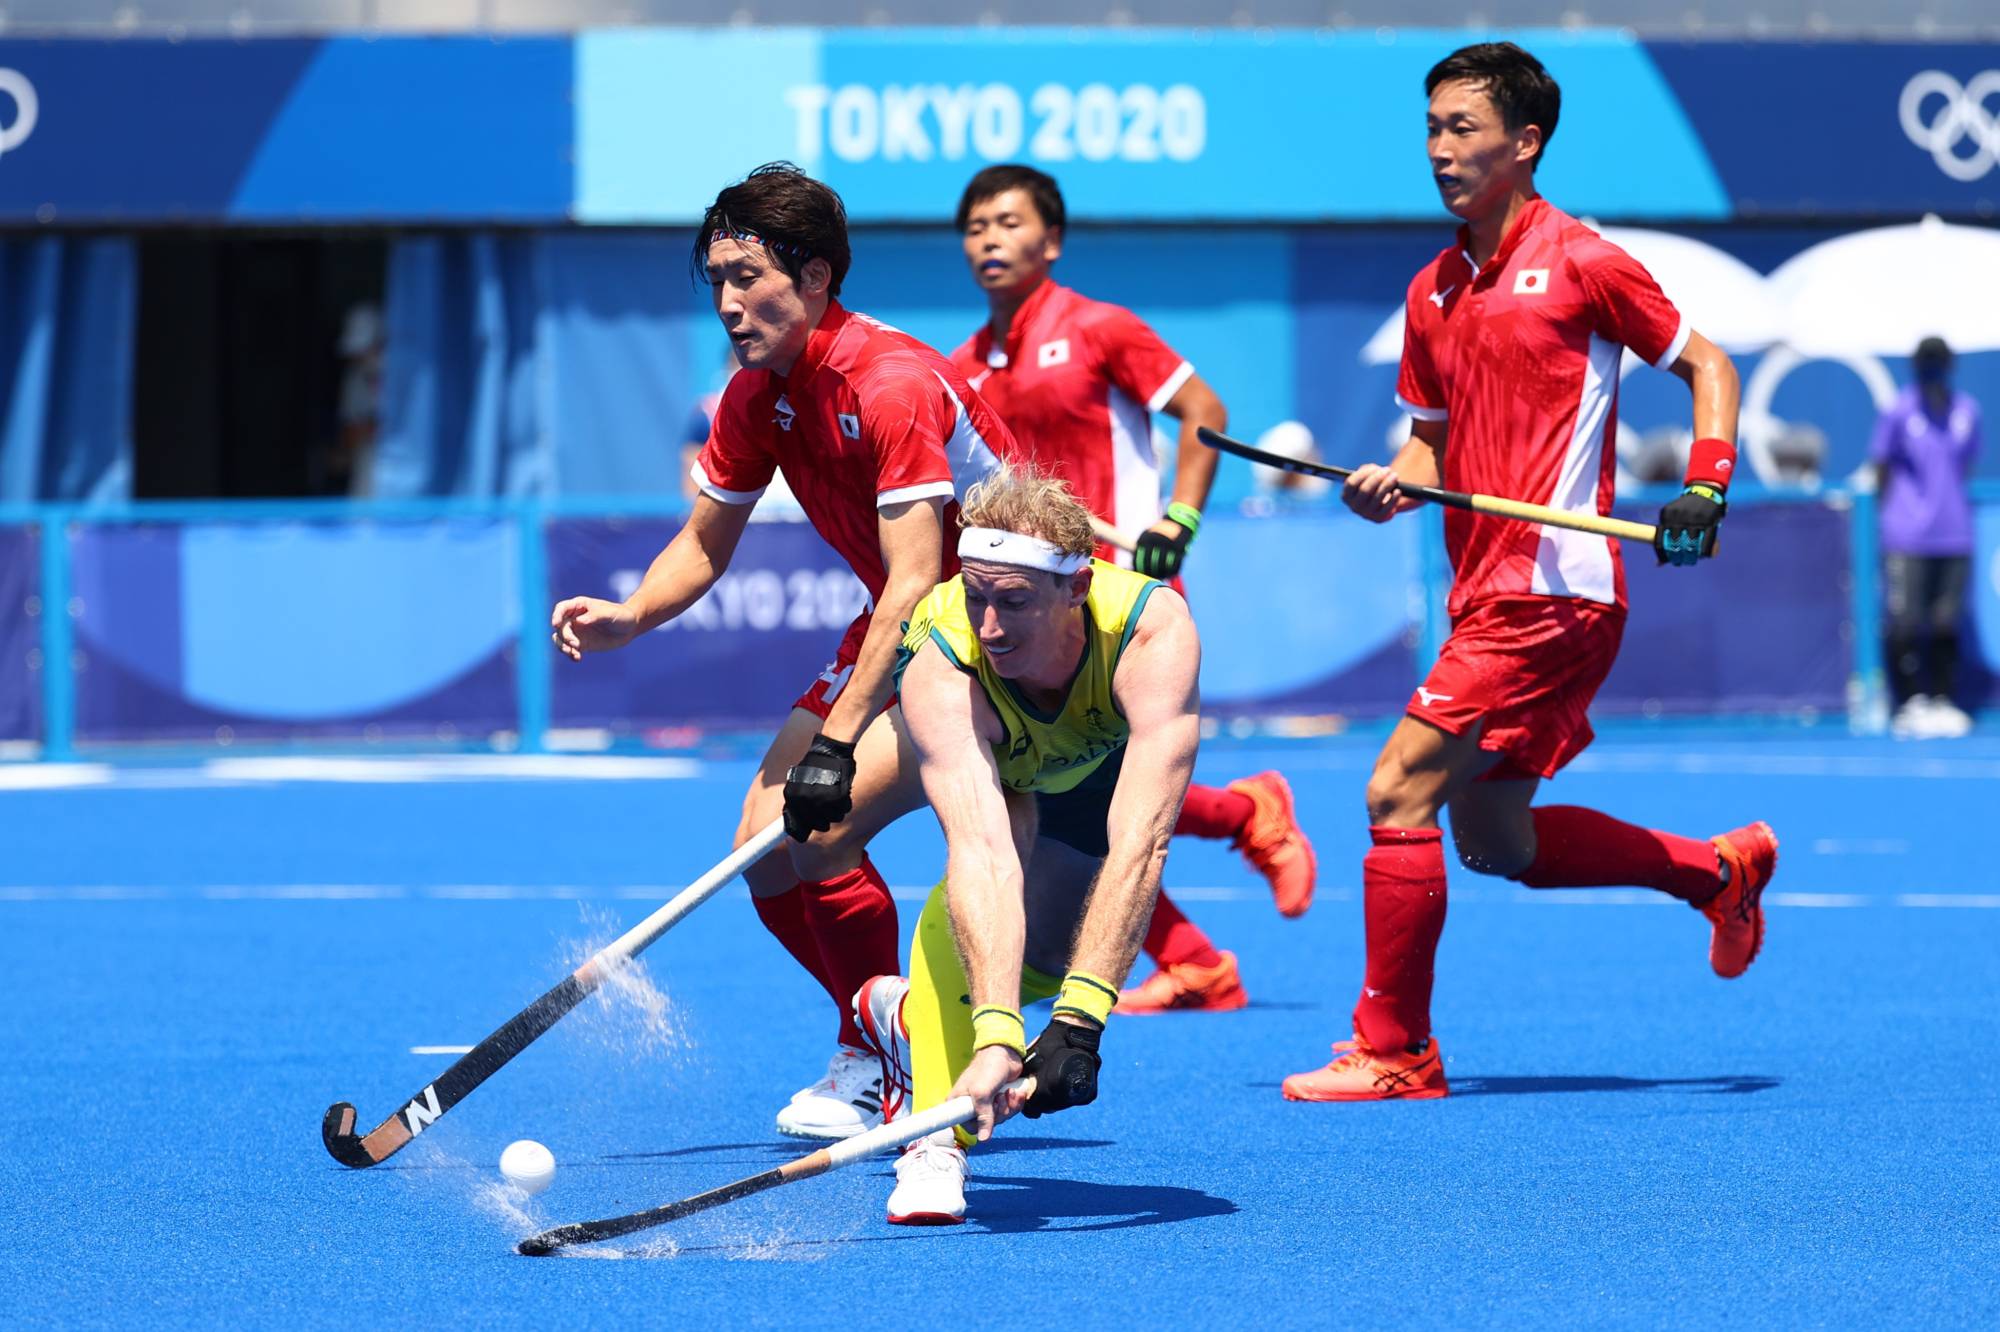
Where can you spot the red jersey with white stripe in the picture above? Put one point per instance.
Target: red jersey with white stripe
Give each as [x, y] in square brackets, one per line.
[1521, 358]
[1077, 381]
[868, 417]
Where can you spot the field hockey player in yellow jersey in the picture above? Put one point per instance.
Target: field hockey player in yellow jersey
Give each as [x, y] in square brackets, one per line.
[1052, 705]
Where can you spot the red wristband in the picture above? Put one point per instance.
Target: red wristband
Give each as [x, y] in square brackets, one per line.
[1711, 462]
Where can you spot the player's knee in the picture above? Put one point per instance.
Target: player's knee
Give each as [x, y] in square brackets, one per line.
[1397, 798]
[829, 854]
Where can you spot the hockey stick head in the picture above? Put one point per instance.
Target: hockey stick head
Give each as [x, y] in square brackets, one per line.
[342, 1142]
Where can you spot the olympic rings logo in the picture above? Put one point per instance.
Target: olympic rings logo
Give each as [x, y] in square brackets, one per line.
[1963, 116]
[27, 109]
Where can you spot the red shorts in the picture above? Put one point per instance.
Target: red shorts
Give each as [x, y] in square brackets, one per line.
[1528, 667]
[819, 698]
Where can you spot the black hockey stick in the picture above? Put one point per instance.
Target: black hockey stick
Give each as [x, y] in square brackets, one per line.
[845, 1152]
[1451, 499]
[488, 1057]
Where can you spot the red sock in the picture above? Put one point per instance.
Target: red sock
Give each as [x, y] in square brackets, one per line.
[1402, 879]
[1581, 848]
[785, 917]
[1211, 812]
[854, 919]
[1173, 938]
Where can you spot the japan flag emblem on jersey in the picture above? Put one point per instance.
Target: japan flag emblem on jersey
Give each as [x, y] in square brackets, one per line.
[1531, 282]
[1052, 353]
[850, 425]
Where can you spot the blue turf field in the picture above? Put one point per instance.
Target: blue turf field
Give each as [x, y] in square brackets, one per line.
[197, 962]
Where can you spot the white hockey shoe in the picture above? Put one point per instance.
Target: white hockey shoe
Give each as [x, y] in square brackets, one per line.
[847, 1101]
[930, 1183]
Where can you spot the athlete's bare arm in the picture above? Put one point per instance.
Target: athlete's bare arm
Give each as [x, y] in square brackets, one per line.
[1371, 490]
[953, 730]
[677, 578]
[912, 537]
[1156, 689]
[1711, 376]
[1194, 405]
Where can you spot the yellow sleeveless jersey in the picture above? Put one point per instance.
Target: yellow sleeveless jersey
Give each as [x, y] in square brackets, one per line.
[1044, 751]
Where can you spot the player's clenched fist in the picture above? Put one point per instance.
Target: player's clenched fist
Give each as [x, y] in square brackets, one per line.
[585, 624]
[1371, 492]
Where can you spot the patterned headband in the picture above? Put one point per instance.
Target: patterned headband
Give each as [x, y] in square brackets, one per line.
[752, 238]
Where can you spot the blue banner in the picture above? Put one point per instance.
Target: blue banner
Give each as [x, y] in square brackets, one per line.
[642, 126]
[1137, 124]
[20, 634]
[343, 129]
[275, 630]
[1914, 127]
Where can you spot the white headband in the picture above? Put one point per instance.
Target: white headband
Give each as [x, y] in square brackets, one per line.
[998, 546]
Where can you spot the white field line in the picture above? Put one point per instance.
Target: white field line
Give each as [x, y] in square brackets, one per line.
[440, 1049]
[454, 768]
[108, 893]
[1737, 763]
[54, 776]
[362, 770]
[1861, 846]
[304, 892]
[1470, 894]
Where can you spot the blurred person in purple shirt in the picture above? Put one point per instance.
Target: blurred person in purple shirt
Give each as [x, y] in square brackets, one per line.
[1923, 450]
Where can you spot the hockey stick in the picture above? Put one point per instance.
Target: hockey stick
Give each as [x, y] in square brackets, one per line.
[1451, 499]
[491, 1055]
[1111, 536]
[845, 1152]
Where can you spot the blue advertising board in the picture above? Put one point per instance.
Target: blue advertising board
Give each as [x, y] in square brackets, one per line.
[411, 624]
[20, 634]
[1784, 569]
[736, 658]
[224, 631]
[772, 623]
[339, 129]
[1981, 668]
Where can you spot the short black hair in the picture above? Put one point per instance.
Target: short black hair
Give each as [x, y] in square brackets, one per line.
[997, 180]
[1519, 87]
[797, 218]
[1933, 351]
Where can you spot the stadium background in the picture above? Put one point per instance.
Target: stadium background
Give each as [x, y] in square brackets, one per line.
[196, 198]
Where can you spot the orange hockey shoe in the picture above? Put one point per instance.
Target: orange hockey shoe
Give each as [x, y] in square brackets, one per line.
[1182, 986]
[1274, 844]
[1359, 1073]
[1736, 914]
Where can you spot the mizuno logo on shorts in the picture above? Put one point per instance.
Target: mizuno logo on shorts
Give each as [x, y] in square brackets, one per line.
[1429, 698]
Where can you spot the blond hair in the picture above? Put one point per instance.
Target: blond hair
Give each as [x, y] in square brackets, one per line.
[1017, 498]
